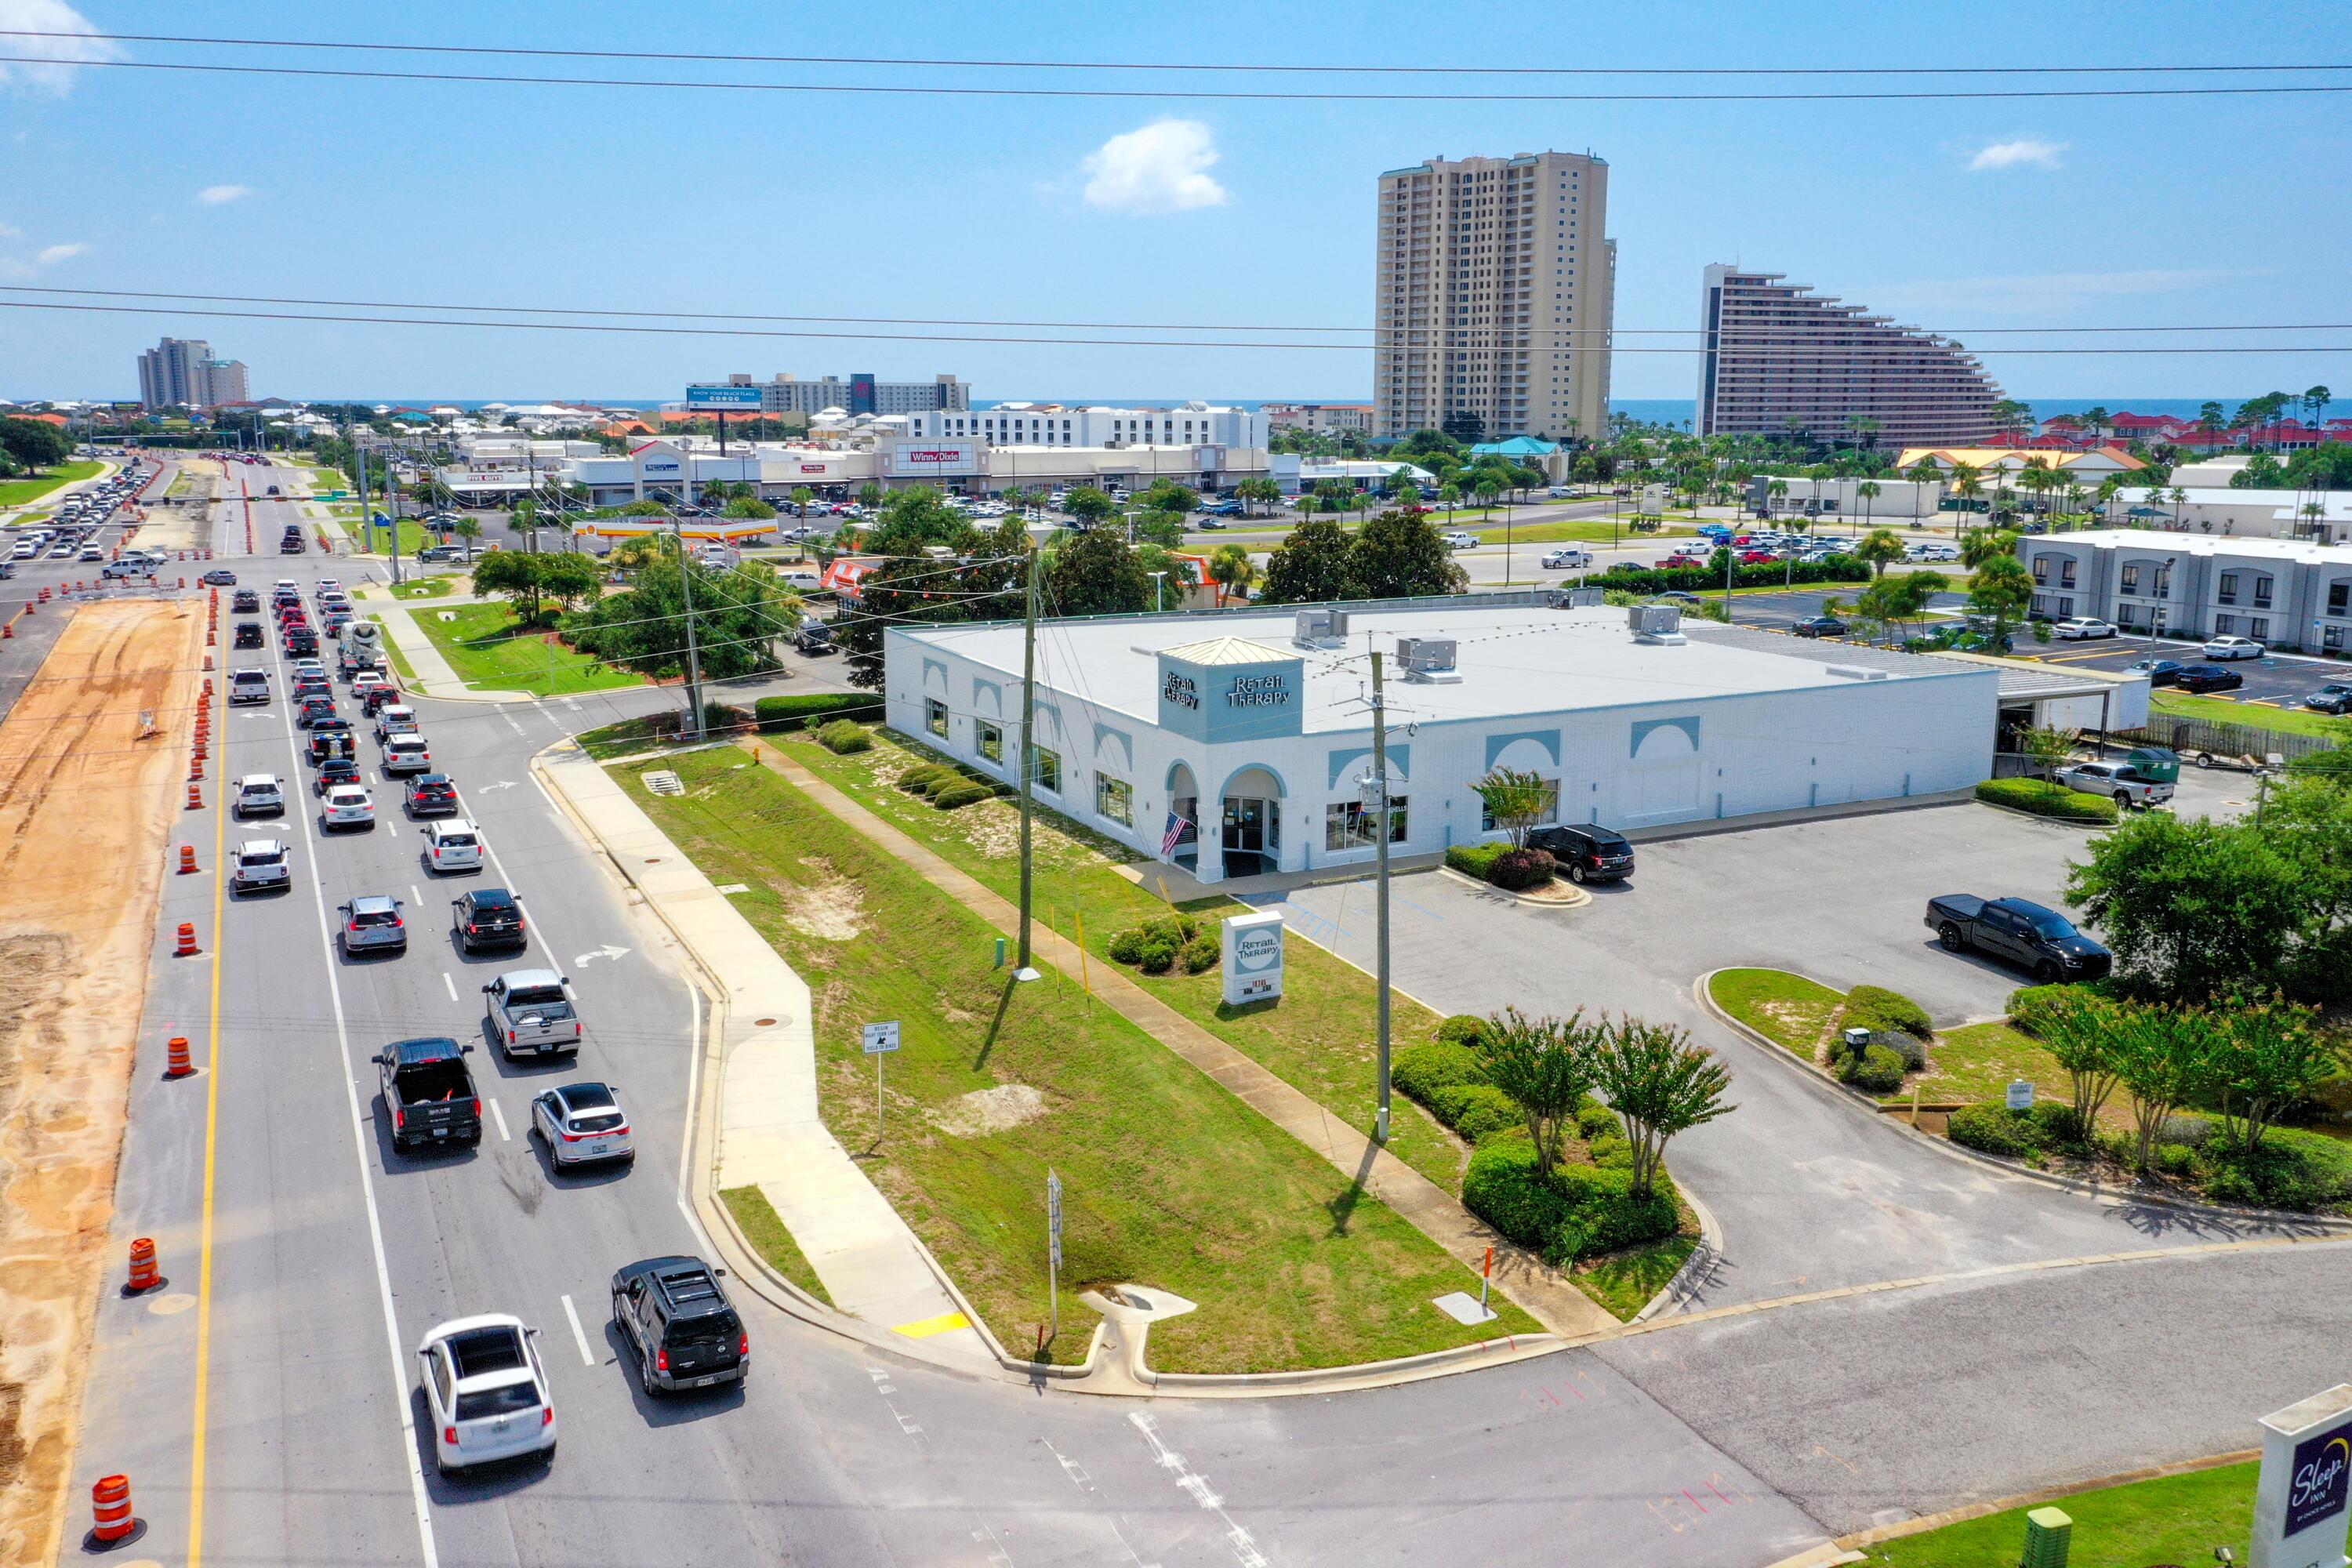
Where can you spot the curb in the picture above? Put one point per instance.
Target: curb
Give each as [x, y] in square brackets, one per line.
[1702, 1261]
[2092, 1189]
[1579, 898]
[786, 1297]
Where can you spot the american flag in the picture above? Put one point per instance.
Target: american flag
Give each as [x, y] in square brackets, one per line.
[1172, 834]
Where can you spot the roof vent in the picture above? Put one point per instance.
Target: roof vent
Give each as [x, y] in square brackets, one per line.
[1314, 628]
[1855, 672]
[1428, 660]
[1661, 626]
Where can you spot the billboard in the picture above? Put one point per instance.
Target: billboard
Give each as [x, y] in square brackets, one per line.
[710, 396]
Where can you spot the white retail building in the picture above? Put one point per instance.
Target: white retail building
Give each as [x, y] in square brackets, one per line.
[1251, 730]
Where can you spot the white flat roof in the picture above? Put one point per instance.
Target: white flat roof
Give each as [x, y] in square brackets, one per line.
[1522, 659]
[2306, 551]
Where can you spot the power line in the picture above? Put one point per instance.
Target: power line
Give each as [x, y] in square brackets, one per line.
[1260, 68]
[1070, 326]
[477, 324]
[1163, 94]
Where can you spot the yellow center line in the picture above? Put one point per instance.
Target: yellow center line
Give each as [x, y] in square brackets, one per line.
[211, 1141]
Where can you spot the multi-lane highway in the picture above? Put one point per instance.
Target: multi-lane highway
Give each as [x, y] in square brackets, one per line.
[268, 1393]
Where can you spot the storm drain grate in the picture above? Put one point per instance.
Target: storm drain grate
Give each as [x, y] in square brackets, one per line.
[662, 782]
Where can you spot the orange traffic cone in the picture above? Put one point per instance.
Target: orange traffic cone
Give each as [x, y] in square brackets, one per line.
[195, 795]
[187, 859]
[111, 1521]
[178, 1063]
[187, 948]
[144, 1274]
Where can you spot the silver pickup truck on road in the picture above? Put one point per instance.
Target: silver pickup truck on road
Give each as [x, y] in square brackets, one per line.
[530, 1013]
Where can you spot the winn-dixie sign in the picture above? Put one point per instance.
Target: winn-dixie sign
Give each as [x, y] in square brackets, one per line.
[935, 457]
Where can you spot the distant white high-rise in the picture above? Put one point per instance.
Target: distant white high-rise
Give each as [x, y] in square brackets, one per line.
[181, 372]
[1496, 290]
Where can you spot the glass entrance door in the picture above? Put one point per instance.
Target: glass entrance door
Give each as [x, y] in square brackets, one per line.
[1244, 824]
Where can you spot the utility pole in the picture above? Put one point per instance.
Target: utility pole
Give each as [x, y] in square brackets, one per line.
[1381, 843]
[367, 514]
[1024, 969]
[693, 651]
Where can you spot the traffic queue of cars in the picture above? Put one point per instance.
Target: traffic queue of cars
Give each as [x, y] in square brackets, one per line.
[481, 1376]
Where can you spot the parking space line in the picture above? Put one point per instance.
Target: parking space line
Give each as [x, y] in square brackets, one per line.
[578, 1335]
[499, 1117]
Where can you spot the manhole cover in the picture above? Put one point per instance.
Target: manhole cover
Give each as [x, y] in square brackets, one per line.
[662, 782]
[764, 1023]
[652, 859]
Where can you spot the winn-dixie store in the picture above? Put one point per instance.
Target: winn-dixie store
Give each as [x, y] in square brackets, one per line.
[1234, 744]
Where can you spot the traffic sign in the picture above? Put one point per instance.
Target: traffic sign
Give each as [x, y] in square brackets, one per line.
[1053, 1215]
[880, 1037]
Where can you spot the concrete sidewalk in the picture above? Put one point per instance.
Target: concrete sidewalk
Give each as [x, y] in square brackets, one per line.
[769, 1134]
[1549, 1297]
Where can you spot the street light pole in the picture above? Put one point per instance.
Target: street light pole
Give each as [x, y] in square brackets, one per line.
[1025, 969]
[693, 651]
[1159, 585]
[1381, 845]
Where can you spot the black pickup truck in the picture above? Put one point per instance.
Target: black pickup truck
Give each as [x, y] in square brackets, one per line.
[429, 1094]
[2040, 941]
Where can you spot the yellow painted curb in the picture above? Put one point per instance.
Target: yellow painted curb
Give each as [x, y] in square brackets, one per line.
[924, 1328]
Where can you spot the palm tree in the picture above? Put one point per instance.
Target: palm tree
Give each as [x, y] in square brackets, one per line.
[2312, 512]
[1921, 473]
[1869, 491]
[1232, 571]
[2109, 488]
[1449, 496]
[1779, 492]
[2178, 498]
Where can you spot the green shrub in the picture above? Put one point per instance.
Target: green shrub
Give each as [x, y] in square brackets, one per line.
[1610, 1151]
[926, 777]
[1502, 1188]
[2057, 1125]
[1873, 1070]
[1597, 1121]
[1158, 957]
[2175, 1158]
[1994, 1129]
[1176, 929]
[1422, 1070]
[1127, 947]
[961, 794]
[1477, 859]
[1877, 1007]
[1475, 1109]
[844, 736]
[1514, 870]
[1576, 1212]
[1202, 954]
[2295, 1170]
[779, 715]
[2046, 800]
[1463, 1029]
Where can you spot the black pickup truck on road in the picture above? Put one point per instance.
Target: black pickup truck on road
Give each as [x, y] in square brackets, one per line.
[428, 1093]
[2040, 941]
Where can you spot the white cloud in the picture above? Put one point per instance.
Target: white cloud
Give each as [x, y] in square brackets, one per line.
[2019, 153]
[54, 253]
[1161, 168]
[54, 71]
[215, 195]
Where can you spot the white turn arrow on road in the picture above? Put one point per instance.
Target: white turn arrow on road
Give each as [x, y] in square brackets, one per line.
[593, 953]
[502, 784]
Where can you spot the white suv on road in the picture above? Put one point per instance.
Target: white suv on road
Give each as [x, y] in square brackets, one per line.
[453, 844]
[259, 795]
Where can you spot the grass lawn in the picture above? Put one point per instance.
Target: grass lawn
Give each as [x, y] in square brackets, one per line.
[1318, 1039]
[15, 492]
[2293, 720]
[1790, 1010]
[2180, 1519]
[771, 1240]
[1578, 530]
[1167, 1179]
[424, 588]
[1626, 1281]
[1978, 1061]
[485, 647]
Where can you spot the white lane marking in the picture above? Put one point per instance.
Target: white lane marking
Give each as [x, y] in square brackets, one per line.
[500, 1118]
[1196, 1486]
[511, 724]
[361, 1127]
[392, 828]
[578, 1335]
[415, 897]
[693, 1080]
[450, 983]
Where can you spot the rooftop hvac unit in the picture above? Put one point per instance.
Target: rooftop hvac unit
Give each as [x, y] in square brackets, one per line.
[1658, 625]
[1856, 672]
[1428, 660]
[1313, 627]
[1338, 624]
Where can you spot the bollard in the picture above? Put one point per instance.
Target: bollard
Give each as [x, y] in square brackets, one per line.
[187, 948]
[143, 1275]
[111, 1522]
[187, 859]
[179, 1064]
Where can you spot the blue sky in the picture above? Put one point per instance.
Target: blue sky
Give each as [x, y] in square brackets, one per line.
[2126, 211]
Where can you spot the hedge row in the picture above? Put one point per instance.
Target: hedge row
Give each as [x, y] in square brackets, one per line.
[1698, 579]
[1512, 869]
[945, 786]
[1571, 1212]
[780, 715]
[2047, 800]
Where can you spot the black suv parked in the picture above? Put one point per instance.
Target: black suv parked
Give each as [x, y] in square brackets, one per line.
[1587, 852]
[678, 1319]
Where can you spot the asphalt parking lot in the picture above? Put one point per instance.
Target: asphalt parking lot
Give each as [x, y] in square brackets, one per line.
[2279, 680]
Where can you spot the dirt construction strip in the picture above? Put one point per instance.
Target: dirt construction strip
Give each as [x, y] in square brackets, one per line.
[87, 793]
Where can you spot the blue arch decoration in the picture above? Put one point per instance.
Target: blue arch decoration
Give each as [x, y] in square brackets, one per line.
[1400, 756]
[1548, 739]
[1644, 727]
[1281, 785]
